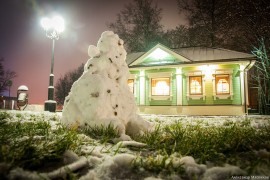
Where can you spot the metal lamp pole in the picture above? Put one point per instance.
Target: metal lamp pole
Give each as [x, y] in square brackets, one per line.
[53, 29]
[50, 104]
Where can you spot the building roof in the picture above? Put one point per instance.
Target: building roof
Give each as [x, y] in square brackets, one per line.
[131, 57]
[208, 54]
[190, 55]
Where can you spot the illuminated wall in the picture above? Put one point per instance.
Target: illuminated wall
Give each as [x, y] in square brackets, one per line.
[208, 80]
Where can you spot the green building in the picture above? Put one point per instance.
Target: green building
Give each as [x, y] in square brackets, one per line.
[190, 81]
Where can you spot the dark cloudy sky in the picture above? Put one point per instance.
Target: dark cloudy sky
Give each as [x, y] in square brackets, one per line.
[27, 50]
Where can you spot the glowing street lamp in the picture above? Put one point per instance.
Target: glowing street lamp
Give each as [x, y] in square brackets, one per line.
[53, 28]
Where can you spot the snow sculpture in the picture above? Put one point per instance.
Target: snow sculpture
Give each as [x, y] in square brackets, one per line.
[101, 96]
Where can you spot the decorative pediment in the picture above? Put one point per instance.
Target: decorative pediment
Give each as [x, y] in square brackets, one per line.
[159, 55]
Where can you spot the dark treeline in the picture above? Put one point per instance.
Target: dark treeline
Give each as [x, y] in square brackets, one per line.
[228, 24]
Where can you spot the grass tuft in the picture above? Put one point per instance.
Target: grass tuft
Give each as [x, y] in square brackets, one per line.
[103, 133]
[216, 144]
[30, 145]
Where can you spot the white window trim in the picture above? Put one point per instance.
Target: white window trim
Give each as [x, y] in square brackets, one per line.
[223, 96]
[159, 75]
[192, 96]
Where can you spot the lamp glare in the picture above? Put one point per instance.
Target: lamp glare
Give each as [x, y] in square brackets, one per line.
[58, 24]
[46, 23]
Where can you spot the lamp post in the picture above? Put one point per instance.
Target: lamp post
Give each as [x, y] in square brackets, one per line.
[53, 28]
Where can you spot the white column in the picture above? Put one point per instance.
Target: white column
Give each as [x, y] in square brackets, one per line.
[142, 87]
[179, 83]
[242, 84]
[246, 88]
[12, 104]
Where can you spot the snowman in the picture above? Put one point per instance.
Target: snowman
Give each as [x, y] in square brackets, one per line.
[101, 96]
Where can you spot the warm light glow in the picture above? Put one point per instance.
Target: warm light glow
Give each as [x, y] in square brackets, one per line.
[56, 23]
[161, 87]
[195, 84]
[131, 85]
[222, 84]
[158, 54]
[208, 70]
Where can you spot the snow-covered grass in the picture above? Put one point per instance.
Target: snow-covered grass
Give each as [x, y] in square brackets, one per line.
[104, 134]
[32, 143]
[235, 143]
[35, 145]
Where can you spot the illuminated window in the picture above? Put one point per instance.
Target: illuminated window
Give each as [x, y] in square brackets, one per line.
[160, 86]
[195, 85]
[223, 84]
[131, 85]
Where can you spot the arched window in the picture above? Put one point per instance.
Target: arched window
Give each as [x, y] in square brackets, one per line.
[195, 85]
[222, 84]
[160, 86]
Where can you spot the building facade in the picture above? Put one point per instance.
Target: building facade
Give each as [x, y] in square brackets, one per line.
[190, 81]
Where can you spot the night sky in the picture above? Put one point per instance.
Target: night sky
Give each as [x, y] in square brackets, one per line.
[27, 50]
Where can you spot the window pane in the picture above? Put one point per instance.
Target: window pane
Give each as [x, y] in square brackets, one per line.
[160, 86]
[131, 85]
[222, 84]
[195, 84]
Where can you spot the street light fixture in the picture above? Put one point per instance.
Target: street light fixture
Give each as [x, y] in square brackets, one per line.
[53, 28]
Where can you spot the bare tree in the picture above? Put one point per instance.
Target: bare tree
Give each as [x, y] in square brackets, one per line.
[230, 24]
[5, 77]
[204, 18]
[261, 78]
[65, 83]
[138, 24]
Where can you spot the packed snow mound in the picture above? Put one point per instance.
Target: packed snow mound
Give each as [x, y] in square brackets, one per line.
[101, 96]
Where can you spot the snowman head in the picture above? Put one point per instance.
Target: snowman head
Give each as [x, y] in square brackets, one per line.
[109, 41]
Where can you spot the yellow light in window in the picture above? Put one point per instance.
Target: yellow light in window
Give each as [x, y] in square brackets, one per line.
[223, 86]
[195, 87]
[162, 88]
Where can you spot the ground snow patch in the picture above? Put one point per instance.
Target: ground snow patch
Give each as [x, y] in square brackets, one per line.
[191, 167]
[110, 166]
[217, 173]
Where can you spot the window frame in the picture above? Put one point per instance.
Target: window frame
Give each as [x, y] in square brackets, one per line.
[169, 78]
[194, 94]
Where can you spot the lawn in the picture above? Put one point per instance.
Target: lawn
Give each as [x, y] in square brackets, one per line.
[36, 146]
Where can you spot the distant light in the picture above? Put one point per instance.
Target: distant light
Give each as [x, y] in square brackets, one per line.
[158, 54]
[208, 70]
[56, 23]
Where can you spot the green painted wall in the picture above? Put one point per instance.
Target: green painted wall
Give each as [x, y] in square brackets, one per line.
[209, 100]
